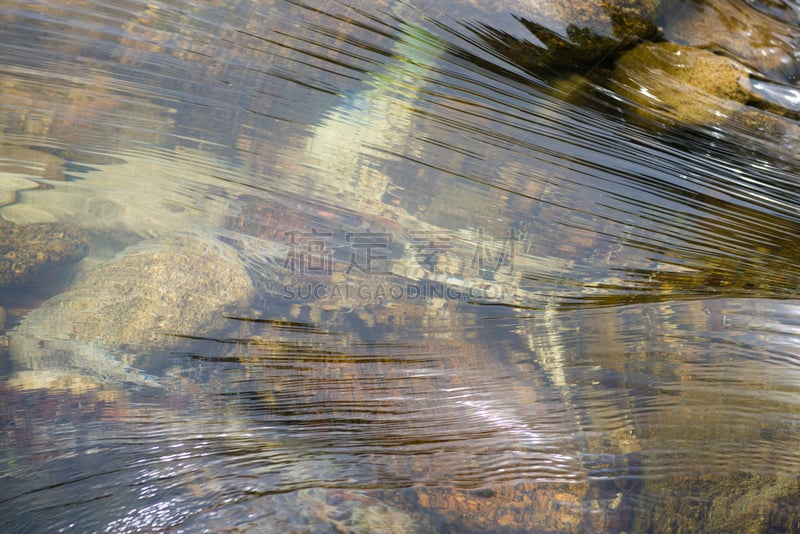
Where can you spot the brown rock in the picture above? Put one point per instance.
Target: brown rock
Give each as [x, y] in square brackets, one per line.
[29, 250]
[571, 34]
[681, 83]
[763, 42]
[515, 507]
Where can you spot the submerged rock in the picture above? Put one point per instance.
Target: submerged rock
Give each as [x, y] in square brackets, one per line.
[114, 204]
[147, 298]
[28, 250]
[512, 507]
[11, 183]
[736, 502]
[321, 510]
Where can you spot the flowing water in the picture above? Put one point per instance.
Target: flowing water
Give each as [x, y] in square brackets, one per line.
[485, 297]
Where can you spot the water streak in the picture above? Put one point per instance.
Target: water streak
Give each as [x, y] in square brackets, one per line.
[593, 309]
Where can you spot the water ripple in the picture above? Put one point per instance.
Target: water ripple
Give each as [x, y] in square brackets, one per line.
[641, 345]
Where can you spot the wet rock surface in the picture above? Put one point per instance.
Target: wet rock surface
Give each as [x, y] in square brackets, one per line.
[682, 82]
[27, 251]
[766, 43]
[720, 55]
[570, 35]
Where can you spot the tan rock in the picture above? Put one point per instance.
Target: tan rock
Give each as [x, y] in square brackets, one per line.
[764, 43]
[516, 507]
[681, 83]
[147, 298]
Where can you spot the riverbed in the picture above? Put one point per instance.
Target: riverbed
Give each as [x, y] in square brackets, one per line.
[405, 282]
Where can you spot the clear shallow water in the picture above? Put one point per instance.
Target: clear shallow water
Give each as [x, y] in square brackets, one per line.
[641, 366]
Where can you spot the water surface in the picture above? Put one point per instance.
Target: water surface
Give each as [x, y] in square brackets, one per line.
[619, 347]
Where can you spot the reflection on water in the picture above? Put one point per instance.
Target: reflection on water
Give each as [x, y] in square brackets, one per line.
[359, 267]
